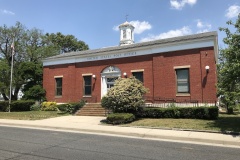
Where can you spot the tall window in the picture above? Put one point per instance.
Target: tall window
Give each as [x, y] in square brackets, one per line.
[124, 34]
[182, 80]
[58, 86]
[87, 86]
[138, 75]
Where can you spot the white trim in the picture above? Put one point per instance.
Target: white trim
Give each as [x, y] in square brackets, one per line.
[58, 76]
[87, 74]
[183, 94]
[147, 50]
[179, 67]
[86, 96]
[138, 70]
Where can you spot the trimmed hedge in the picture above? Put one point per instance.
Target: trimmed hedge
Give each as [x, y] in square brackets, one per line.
[4, 106]
[16, 106]
[120, 118]
[177, 112]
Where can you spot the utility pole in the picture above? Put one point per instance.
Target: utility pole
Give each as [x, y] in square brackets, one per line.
[10, 91]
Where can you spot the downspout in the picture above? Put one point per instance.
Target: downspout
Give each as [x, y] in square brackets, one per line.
[153, 79]
[201, 74]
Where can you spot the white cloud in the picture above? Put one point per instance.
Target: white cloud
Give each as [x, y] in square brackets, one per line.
[172, 33]
[176, 4]
[115, 28]
[233, 11]
[203, 26]
[140, 27]
[7, 12]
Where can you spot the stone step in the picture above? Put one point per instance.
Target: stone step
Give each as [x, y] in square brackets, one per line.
[92, 112]
[92, 109]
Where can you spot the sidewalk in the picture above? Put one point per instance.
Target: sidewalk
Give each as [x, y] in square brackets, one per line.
[92, 124]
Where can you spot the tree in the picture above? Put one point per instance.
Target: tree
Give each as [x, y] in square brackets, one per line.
[125, 96]
[36, 92]
[229, 66]
[67, 43]
[30, 47]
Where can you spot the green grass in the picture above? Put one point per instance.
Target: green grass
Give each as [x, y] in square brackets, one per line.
[31, 115]
[224, 123]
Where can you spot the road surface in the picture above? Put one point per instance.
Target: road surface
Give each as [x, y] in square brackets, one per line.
[33, 144]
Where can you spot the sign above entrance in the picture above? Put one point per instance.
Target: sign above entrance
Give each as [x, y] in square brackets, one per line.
[117, 55]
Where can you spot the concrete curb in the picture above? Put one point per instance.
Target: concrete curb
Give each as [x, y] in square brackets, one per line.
[192, 130]
[133, 134]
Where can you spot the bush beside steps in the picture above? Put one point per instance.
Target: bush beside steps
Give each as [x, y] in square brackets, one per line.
[120, 118]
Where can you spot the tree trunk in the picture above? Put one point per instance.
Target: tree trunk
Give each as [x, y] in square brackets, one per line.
[5, 97]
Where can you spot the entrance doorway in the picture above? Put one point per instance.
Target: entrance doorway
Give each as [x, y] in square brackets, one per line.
[108, 77]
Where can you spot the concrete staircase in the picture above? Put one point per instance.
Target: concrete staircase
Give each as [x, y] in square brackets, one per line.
[92, 109]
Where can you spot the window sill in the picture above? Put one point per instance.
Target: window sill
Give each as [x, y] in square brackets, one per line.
[87, 96]
[183, 94]
[58, 96]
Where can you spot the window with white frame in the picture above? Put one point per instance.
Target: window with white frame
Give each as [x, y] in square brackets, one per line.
[138, 75]
[182, 76]
[58, 86]
[87, 85]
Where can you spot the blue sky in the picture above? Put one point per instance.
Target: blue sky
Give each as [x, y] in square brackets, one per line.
[95, 21]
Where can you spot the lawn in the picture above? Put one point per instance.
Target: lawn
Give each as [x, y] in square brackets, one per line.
[31, 115]
[224, 123]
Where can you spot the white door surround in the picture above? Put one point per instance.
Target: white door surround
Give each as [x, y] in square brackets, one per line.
[108, 76]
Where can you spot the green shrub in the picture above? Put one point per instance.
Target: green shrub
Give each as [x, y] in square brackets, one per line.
[49, 106]
[125, 96]
[35, 107]
[175, 112]
[120, 118]
[21, 105]
[76, 106]
[36, 93]
[71, 107]
[213, 112]
[63, 107]
[4, 106]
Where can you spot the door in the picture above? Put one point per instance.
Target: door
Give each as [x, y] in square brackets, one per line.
[108, 77]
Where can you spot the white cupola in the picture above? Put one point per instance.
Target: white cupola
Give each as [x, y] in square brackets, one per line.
[126, 33]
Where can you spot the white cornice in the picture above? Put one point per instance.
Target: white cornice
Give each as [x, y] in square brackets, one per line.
[136, 51]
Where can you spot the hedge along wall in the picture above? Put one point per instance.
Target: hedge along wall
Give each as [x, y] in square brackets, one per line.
[188, 112]
[20, 105]
[3, 106]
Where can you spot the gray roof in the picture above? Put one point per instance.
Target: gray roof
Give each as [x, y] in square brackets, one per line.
[137, 45]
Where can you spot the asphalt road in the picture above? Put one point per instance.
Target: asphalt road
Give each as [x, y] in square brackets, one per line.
[31, 144]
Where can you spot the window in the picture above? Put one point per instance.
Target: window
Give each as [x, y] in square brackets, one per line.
[124, 34]
[182, 80]
[58, 89]
[110, 82]
[87, 86]
[138, 75]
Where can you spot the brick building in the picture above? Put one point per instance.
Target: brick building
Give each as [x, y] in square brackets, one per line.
[180, 68]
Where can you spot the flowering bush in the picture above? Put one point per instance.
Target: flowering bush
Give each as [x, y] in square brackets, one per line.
[125, 96]
[49, 106]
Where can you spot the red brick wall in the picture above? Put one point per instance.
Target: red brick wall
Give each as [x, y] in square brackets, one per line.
[159, 75]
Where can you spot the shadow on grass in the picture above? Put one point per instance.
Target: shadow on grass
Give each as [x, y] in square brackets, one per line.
[227, 124]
